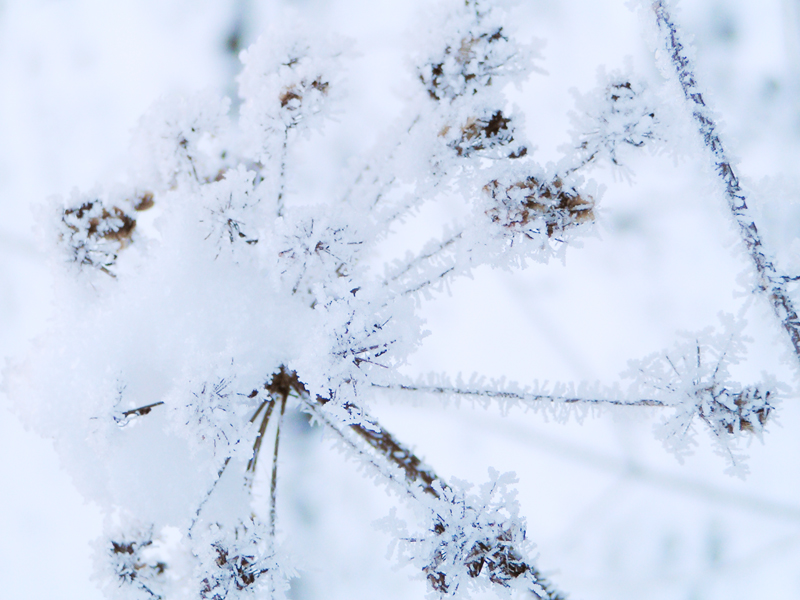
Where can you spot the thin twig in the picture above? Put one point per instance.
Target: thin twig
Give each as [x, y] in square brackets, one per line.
[282, 173]
[428, 282]
[210, 490]
[385, 161]
[381, 441]
[142, 410]
[522, 396]
[274, 482]
[770, 283]
[251, 464]
[426, 256]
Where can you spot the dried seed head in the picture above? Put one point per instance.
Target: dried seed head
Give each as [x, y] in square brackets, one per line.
[292, 97]
[95, 234]
[467, 65]
[533, 205]
[747, 410]
[482, 133]
[131, 566]
[618, 116]
[237, 563]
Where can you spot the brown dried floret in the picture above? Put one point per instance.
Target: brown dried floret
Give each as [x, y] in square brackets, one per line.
[533, 200]
[288, 95]
[291, 97]
[237, 571]
[751, 412]
[473, 61]
[495, 556]
[480, 133]
[131, 567]
[114, 225]
[320, 86]
[96, 233]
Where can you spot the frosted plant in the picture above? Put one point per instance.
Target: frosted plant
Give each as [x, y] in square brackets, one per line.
[177, 351]
[694, 379]
[129, 563]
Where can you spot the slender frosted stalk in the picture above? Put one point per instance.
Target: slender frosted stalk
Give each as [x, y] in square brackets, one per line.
[770, 282]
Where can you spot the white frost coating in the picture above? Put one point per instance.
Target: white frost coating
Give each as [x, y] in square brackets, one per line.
[235, 210]
[173, 357]
[477, 51]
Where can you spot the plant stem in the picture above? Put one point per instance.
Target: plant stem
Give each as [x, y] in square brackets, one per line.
[770, 282]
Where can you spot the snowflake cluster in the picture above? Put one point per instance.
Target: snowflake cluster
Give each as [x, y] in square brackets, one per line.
[286, 86]
[178, 141]
[216, 417]
[230, 202]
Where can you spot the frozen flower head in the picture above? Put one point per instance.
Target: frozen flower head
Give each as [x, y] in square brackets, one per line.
[238, 562]
[536, 207]
[179, 141]
[622, 113]
[93, 232]
[479, 53]
[693, 379]
[287, 85]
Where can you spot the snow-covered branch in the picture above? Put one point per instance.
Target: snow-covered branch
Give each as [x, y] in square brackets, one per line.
[771, 282]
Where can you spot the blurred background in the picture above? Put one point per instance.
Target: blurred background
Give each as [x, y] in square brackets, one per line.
[613, 515]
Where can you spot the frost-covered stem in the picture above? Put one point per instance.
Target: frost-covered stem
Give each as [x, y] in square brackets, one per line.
[383, 187]
[282, 172]
[769, 281]
[274, 482]
[417, 260]
[208, 495]
[183, 143]
[429, 282]
[382, 441]
[419, 477]
[385, 161]
[521, 396]
[251, 464]
[581, 160]
[418, 474]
